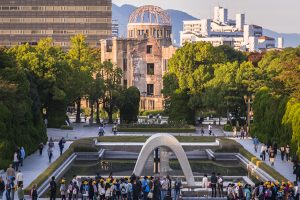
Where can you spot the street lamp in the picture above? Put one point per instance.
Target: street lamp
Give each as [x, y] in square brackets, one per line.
[248, 101]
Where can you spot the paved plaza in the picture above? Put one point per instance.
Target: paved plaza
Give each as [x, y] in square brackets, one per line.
[36, 164]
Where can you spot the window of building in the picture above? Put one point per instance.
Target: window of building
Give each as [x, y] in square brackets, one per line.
[125, 83]
[124, 64]
[149, 49]
[150, 68]
[151, 104]
[150, 89]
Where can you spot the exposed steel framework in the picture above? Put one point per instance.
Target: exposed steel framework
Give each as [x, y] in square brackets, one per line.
[150, 14]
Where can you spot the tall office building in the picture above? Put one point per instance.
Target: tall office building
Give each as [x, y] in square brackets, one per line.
[24, 21]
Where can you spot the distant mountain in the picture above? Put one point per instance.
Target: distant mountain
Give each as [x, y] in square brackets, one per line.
[122, 15]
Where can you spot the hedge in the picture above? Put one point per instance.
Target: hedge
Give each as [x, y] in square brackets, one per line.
[152, 112]
[82, 145]
[66, 127]
[144, 138]
[160, 130]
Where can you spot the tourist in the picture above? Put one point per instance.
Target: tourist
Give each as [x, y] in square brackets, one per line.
[22, 156]
[247, 192]
[20, 192]
[101, 189]
[209, 129]
[156, 188]
[287, 152]
[146, 189]
[242, 133]
[114, 129]
[8, 189]
[61, 145]
[177, 186]
[280, 193]
[213, 184]
[2, 187]
[41, 147]
[282, 152]
[240, 191]
[124, 189]
[63, 189]
[205, 182]
[75, 191]
[10, 172]
[220, 184]
[52, 188]
[272, 156]
[169, 194]
[268, 193]
[50, 153]
[263, 152]
[255, 143]
[202, 130]
[275, 147]
[91, 190]
[130, 189]
[230, 192]
[234, 132]
[33, 192]
[16, 161]
[108, 191]
[19, 178]
[70, 190]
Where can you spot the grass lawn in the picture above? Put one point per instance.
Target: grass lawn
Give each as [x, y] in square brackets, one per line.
[144, 138]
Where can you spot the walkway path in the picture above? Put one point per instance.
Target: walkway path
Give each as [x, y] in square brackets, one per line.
[283, 167]
[35, 164]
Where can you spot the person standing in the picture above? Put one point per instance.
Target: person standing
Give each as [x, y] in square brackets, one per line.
[287, 152]
[50, 153]
[16, 161]
[205, 182]
[263, 152]
[209, 129]
[255, 143]
[61, 145]
[10, 172]
[242, 133]
[52, 188]
[178, 185]
[41, 147]
[202, 130]
[220, 185]
[2, 187]
[33, 192]
[8, 189]
[19, 178]
[114, 129]
[164, 187]
[63, 189]
[20, 192]
[214, 181]
[234, 132]
[22, 156]
[272, 156]
[275, 147]
[297, 171]
[282, 152]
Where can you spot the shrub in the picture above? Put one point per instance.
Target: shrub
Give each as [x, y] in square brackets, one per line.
[152, 112]
[227, 127]
[162, 130]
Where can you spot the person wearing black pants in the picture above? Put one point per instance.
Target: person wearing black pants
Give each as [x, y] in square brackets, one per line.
[220, 185]
[52, 188]
[213, 181]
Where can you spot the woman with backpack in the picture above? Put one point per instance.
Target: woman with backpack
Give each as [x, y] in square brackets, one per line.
[101, 190]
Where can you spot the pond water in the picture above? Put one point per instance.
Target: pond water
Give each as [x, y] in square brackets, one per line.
[125, 168]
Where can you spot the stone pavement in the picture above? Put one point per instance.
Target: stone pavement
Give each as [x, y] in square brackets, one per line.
[35, 164]
[283, 167]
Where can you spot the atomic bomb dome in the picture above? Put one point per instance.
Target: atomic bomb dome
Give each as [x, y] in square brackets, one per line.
[150, 14]
[149, 21]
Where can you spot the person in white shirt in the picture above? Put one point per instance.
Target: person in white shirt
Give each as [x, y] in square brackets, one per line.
[209, 129]
[19, 178]
[205, 182]
[16, 161]
[263, 152]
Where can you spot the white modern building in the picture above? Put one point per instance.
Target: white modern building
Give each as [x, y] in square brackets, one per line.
[223, 31]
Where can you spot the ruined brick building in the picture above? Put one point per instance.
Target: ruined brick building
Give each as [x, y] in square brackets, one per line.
[143, 55]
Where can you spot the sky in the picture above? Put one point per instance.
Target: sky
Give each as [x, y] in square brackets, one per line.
[282, 16]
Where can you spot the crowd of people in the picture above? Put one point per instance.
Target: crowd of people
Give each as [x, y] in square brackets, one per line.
[110, 188]
[264, 191]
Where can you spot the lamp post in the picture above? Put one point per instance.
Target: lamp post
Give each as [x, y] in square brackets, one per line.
[248, 101]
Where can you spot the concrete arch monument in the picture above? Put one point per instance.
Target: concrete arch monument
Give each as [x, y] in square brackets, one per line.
[169, 141]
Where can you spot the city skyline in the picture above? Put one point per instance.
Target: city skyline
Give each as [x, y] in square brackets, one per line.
[274, 15]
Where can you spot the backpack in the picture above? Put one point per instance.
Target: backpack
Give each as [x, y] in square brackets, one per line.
[146, 187]
[123, 189]
[268, 194]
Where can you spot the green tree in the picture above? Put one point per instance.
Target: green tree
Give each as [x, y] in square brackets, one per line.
[81, 62]
[112, 88]
[129, 102]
